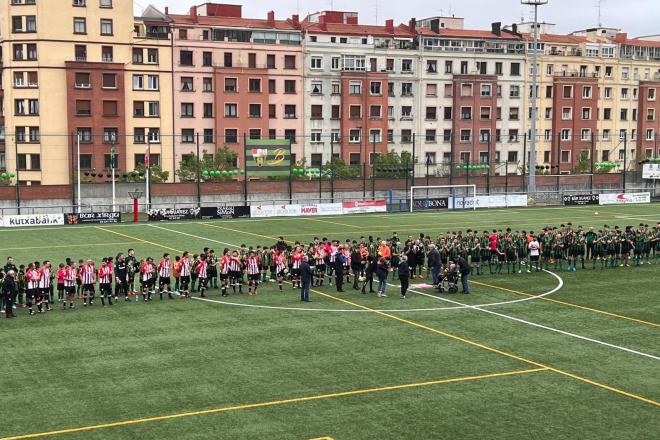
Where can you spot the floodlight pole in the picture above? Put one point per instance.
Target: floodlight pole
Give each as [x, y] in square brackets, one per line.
[113, 160]
[79, 196]
[532, 146]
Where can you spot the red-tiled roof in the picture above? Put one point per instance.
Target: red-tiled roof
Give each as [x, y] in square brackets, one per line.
[402, 30]
[249, 23]
[645, 43]
[556, 38]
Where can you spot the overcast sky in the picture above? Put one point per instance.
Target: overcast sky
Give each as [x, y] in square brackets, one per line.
[637, 17]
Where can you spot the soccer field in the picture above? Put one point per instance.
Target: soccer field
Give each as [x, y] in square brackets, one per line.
[562, 355]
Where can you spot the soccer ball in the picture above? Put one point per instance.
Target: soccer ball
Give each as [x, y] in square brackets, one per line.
[596, 213]
[362, 279]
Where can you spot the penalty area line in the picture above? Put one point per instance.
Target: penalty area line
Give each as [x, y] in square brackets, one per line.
[274, 403]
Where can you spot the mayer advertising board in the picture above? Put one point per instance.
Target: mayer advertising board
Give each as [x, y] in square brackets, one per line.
[18, 221]
[625, 198]
[81, 218]
[581, 199]
[431, 204]
[364, 207]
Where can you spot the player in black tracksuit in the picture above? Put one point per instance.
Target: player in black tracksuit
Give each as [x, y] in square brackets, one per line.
[121, 277]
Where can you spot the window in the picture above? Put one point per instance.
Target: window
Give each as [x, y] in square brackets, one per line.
[230, 85]
[565, 134]
[449, 67]
[335, 112]
[105, 3]
[466, 89]
[406, 66]
[289, 61]
[624, 93]
[153, 108]
[289, 111]
[186, 58]
[586, 113]
[375, 136]
[432, 66]
[80, 3]
[254, 85]
[139, 135]
[568, 92]
[650, 114]
[138, 108]
[565, 156]
[255, 110]
[207, 59]
[208, 110]
[83, 107]
[466, 135]
[586, 92]
[228, 59]
[31, 52]
[153, 82]
[484, 113]
[86, 161]
[291, 136]
[317, 63]
[209, 137]
[207, 84]
[231, 135]
[107, 54]
[82, 80]
[585, 134]
[138, 82]
[567, 113]
[270, 61]
[606, 135]
[431, 113]
[80, 51]
[231, 110]
[17, 24]
[109, 81]
[355, 112]
[513, 136]
[486, 90]
[376, 88]
[317, 88]
[406, 113]
[624, 114]
[335, 63]
[354, 159]
[109, 108]
[110, 161]
[252, 60]
[649, 134]
[514, 91]
[355, 87]
[183, 34]
[464, 67]
[254, 133]
[446, 135]
[187, 136]
[35, 134]
[110, 135]
[289, 86]
[650, 94]
[106, 26]
[79, 25]
[515, 69]
[138, 55]
[431, 90]
[406, 89]
[354, 136]
[335, 136]
[430, 137]
[272, 111]
[85, 135]
[187, 84]
[317, 111]
[448, 113]
[187, 110]
[315, 137]
[513, 114]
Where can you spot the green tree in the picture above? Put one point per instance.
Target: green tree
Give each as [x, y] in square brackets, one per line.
[393, 164]
[340, 170]
[583, 164]
[140, 174]
[223, 160]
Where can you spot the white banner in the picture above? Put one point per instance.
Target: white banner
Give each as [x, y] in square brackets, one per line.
[625, 198]
[498, 201]
[651, 171]
[261, 211]
[322, 209]
[364, 207]
[15, 221]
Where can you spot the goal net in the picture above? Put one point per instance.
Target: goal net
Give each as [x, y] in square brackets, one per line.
[427, 198]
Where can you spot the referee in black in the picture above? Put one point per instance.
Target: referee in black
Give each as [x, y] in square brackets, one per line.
[9, 289]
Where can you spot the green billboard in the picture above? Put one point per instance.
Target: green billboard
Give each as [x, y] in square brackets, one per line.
[268, 157]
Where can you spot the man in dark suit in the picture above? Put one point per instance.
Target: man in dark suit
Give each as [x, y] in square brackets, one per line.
[464, 269]
[433, 260]
[339, 270]
[9, 289]
[305, 279]
[404, 276]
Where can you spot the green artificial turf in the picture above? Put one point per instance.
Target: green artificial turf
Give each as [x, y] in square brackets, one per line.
[132, 361]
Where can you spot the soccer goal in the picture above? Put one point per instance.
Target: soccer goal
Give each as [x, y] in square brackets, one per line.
[425, 198]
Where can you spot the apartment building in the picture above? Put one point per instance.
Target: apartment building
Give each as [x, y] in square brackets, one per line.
[69, 71]
[235, 78]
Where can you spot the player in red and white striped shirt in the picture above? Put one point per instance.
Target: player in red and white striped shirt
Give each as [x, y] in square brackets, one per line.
[296, 259]
[224, 271]
[202, 274]
[104, 274]
[88, 277]
[164, 272]
[32, 280]
[320, 257]
[280, 267]
[235, 274]
[252, 266]
[44, 286]
[184, 277]
[70, 277]
[147, 278]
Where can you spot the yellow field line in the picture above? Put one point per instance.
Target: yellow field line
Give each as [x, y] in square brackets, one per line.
[47, 246]
[491, 349]
[333, 223]
[461, 339]
[273, 403]
[577, 306]
[239, 231]
[139, 239]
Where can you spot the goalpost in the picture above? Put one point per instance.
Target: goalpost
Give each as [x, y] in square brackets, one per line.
[427, 196]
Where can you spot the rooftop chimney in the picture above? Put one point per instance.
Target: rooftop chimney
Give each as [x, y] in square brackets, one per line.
[322, 24]
[621, 37]
[496, 28]
[193, 14]
[435, 25]
[167, 10]
[514, 28]
[295, 18]
[389, 25]
[271, 18]
[412, 24]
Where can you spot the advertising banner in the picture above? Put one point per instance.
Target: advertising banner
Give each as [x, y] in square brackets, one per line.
[92, 218]
[625, 198]
[431, 204]
[581, 199]
[499, 201]
[268, 157]
[16, 221]
[172, 214]
[224, 212]
[262, 211]
[329, 208]
[651, 171]
[364, 206]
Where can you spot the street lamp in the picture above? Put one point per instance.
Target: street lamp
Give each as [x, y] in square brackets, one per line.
[532, 146]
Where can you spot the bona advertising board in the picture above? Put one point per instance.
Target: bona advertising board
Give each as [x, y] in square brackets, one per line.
[431, 204]
[364, 207]
[500, 201]
[625, 198]
[16, 221]
[651, 171]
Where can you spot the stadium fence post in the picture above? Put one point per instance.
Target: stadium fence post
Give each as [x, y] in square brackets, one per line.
[506, 177]
[332, 169]
[18, 178]
[591, 159]
[290, 171]
[364, 180]
[373, 167]
[321, 183]
[413, 157]
[625, 160]
[524, 163]
[198, 176]
[488, 167]
[245, 171]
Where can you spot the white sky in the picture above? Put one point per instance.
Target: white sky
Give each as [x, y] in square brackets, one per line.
[637, 17]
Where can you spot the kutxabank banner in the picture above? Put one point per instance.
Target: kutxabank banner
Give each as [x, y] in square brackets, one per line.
[268, 157]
